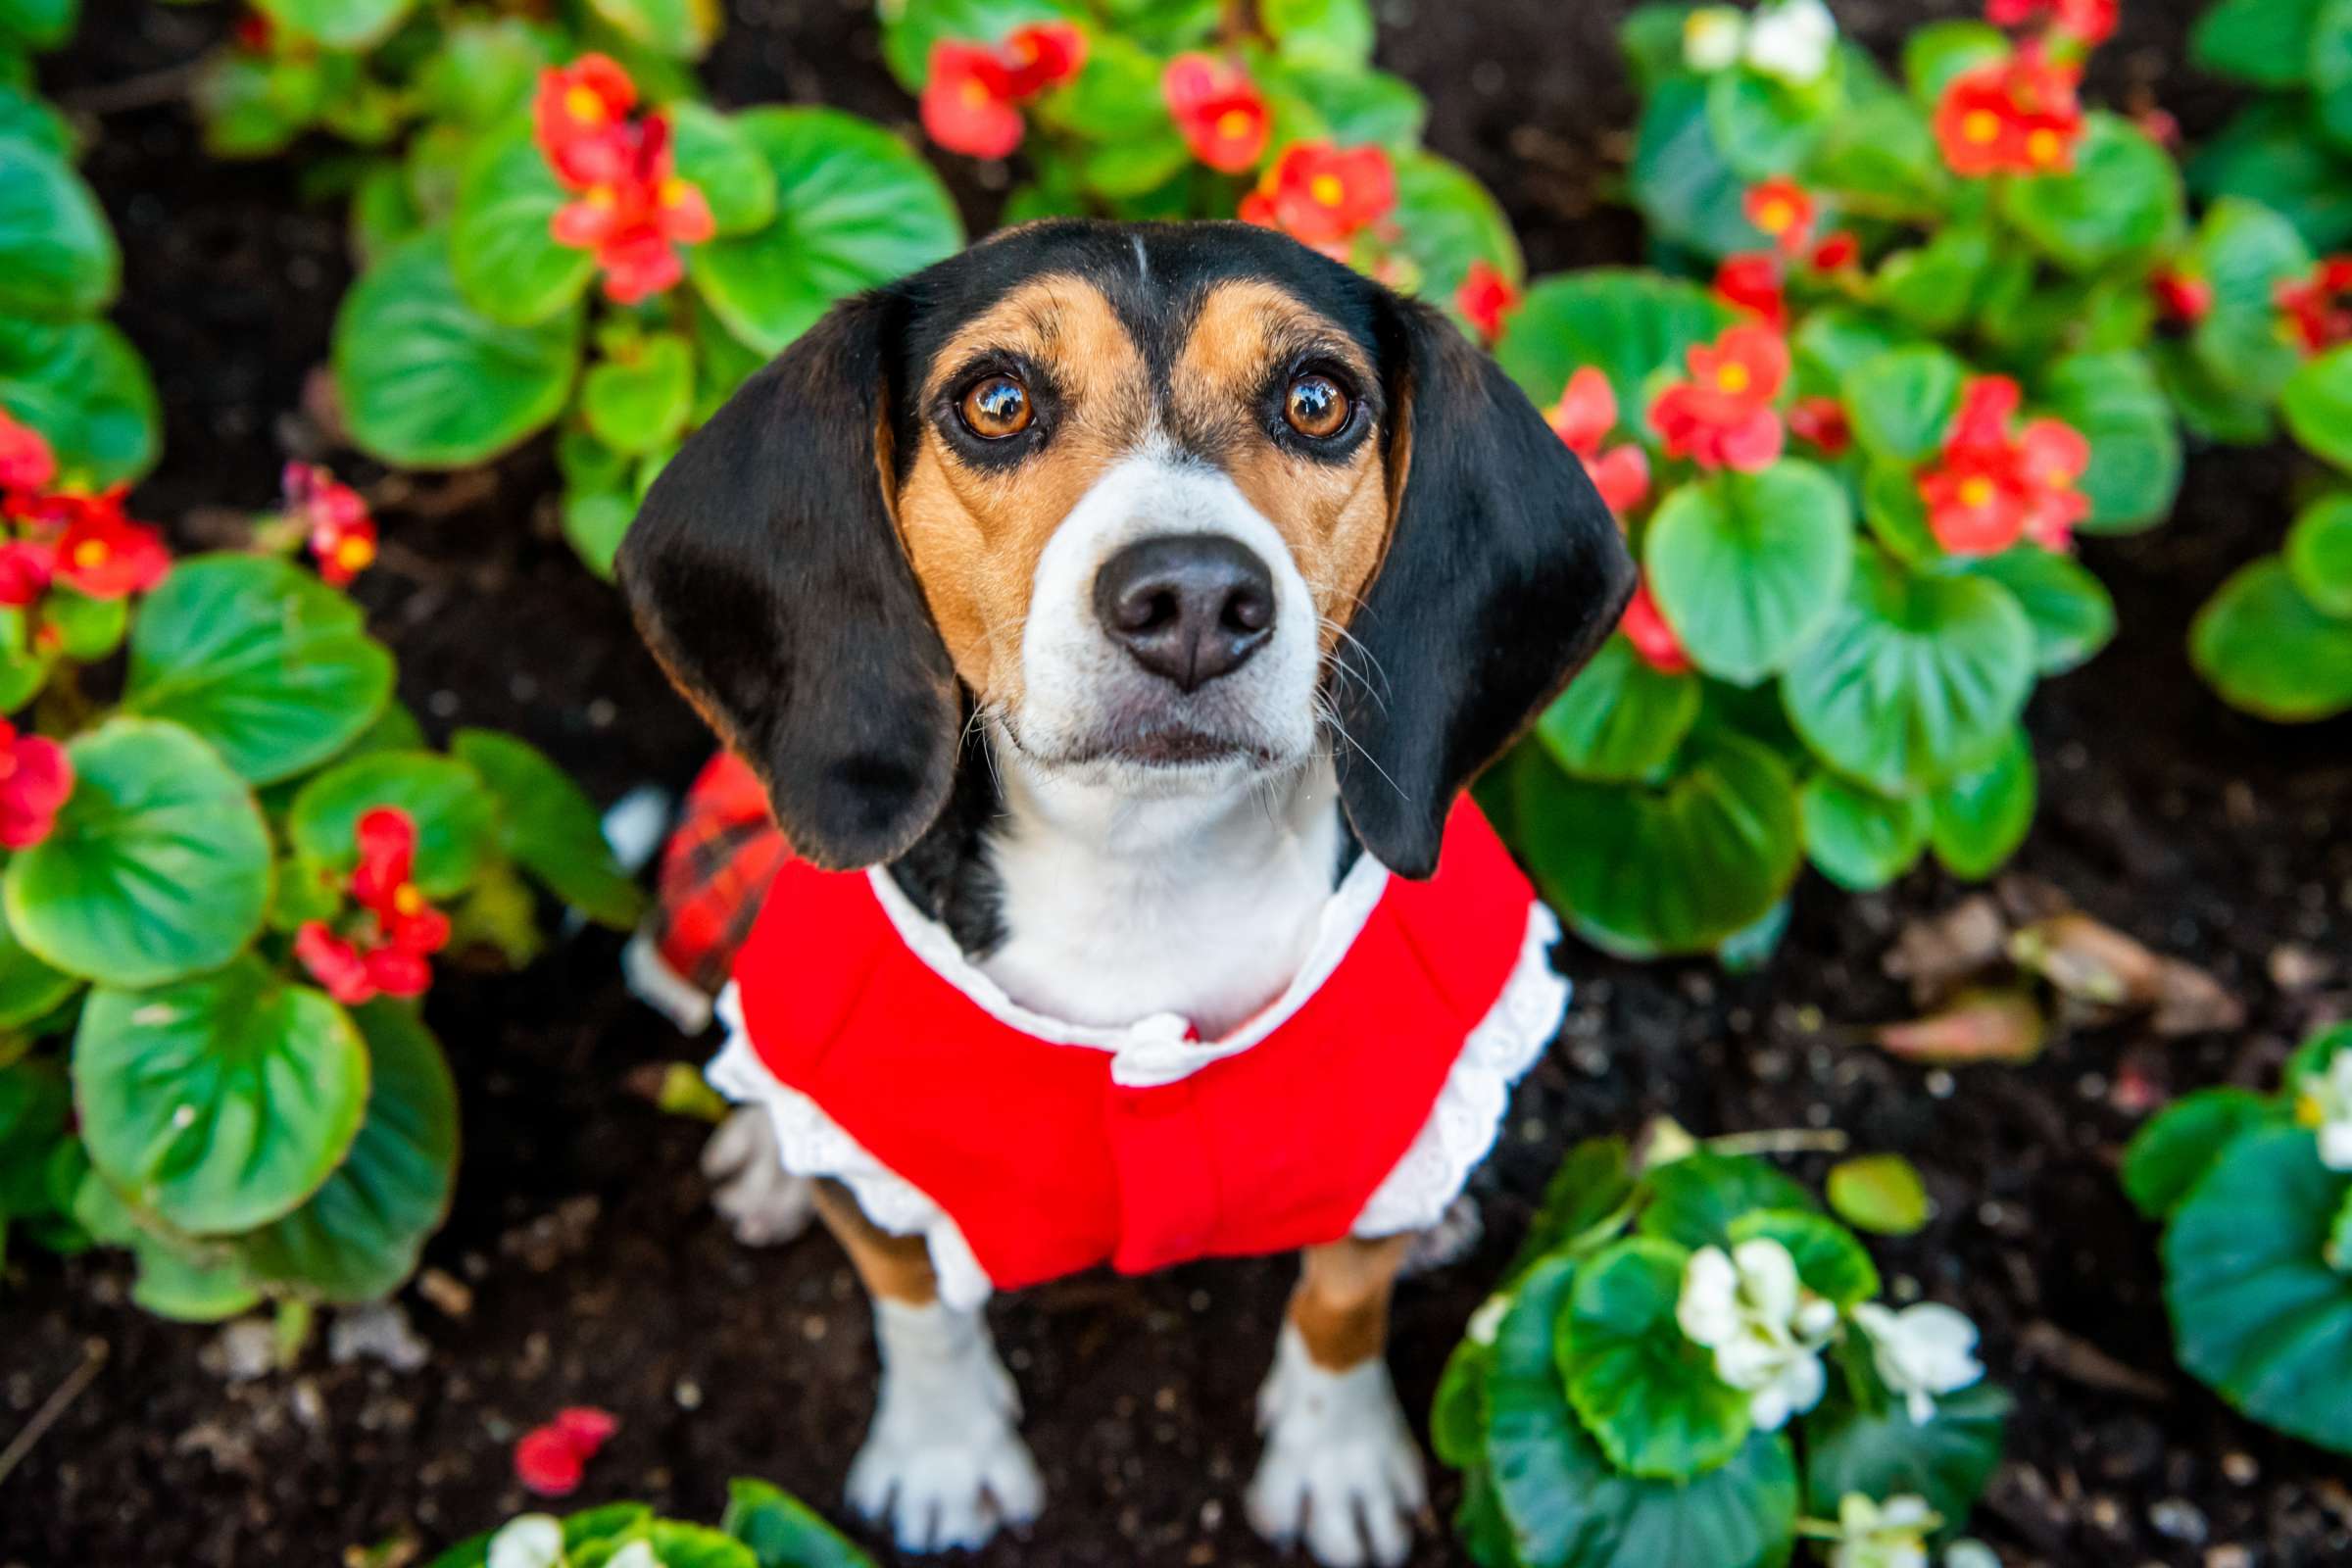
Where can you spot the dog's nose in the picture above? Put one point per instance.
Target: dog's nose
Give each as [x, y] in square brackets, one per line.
[1189, 606]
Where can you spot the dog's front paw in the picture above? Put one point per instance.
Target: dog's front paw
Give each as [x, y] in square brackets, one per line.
[763, 1203]
[1340, 1471]
[939, 1489]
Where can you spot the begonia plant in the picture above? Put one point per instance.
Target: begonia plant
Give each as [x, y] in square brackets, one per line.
[763, 1527]
[2290, 148]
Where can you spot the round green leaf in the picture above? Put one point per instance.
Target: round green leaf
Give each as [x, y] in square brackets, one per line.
[549, 828]
[1695, 1202]
[1646, 1391]
[1642, 870]
[427, 380]
[1620, 719]
[2070, 611]
[271, 666]
[1938, 52]
[2121, 199]
[2318, 554]
[679, 28]
[2271, 652]
[1830, 1262]
[338, 23]
[854, 208]
[1881, 1193]
[722, 162]
[1883, 154]
[1838, 339]
[2265, 42]
[1915, 678]
[507, 262]
[2243, 251]
[638, 400]
[1935, 286]
[2166, 1158]
[253, 106]
[1629, 324]
[358, 1236]
[485, 69]
[190, 1289]
[596, 521]
[1747, 567]
[57, 253]
[1447, 220]
[1882, 1454]
[784, 1532]
[1859, 839]
[2116, 399]
[28, 988]
[83, 387]
[1685, 186]
[40, 25]
[455, 814]
[1903, 402]
[2332, 72]
[1335, 34]
[1981, 816]
[158, 866]
[2268, 154]
[1763, 127]
[2258, 1311]
[218, 1102]
[2318, 405]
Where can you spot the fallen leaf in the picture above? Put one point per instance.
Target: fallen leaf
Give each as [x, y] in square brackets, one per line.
[2005, 1025]
[1937, 952]
[2192, 1002]
[2089, 962]
[2080, 1361]
[1878, 1192]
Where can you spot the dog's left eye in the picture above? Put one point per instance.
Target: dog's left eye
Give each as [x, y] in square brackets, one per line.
[995, 407]
[1315, 407]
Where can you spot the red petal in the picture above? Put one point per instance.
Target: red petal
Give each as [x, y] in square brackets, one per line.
[546, 1462]
[586, 1426]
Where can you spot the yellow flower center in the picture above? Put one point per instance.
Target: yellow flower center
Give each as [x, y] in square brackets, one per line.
[974, 93]
[1734, 379]
[602, 197]
[673, 192]
[90, 553]
[1975, 492]
[585, 105]
[2046, 146]
[2309, 1112]
[355, 553]
[1327, 189]
[1776, 218]
[1234, 124]
[1981, 126]
[406, 900]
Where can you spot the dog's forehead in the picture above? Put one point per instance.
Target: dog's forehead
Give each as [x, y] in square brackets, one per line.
[1152, 280]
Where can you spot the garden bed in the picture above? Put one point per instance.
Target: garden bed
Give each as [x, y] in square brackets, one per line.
[590, 1270]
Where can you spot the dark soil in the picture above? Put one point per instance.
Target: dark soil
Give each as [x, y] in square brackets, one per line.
[598, 1275]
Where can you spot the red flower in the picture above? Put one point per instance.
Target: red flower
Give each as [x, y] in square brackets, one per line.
[1322, 196]
[2161, 126]
[25, 568]
[2053, 456]
[1782, 209]
[1583, 419]
[25, 462]
[1485, 298]
[1042, 54]
[2183, 298]
[549, 1459]
[342, 534]
[2012, 116]
[580, 119]
[1751, 282]
[2091, 21]
[1993, 489]
[967, 103]
[388, 956]
[1218, 111]
[101, 552]
[1653, 640]
[2316, 311]
[334, 962]
[635, 221]
[1838, 251]
[1723, 416]
[35, 778]
[1823, 422]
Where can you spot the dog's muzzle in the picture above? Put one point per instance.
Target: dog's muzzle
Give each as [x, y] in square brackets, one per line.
[1189, 607]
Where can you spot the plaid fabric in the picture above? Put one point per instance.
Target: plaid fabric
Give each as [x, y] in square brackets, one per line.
[715, 873]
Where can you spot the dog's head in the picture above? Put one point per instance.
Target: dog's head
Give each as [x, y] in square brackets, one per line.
[1174, 505]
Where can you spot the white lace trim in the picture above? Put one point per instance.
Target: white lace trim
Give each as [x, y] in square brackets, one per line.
[1461, 1127]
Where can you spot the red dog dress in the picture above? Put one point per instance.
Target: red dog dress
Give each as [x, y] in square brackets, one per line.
[1024, 1147]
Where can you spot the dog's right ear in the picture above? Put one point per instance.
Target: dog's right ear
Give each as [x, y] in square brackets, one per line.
[765, 572]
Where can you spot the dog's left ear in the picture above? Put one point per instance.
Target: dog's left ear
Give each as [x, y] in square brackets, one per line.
[1503, 572]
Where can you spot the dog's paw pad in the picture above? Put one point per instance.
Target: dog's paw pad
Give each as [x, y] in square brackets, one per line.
[763, 1203]
[937, 1494]
[1342, 1472]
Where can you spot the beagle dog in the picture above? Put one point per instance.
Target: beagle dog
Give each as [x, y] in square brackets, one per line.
[1115, 615]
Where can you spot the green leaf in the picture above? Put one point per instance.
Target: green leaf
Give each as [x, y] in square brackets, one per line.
[2317, 404]
[2166, 1158]
[1620, 719]
[2265, 42]
[1903, 403]
[1748, 567]
[1336, 35]
[1981, 816]
[1645, 1390]
[1447, 220]
[1948, 1460]
[596, 521]
[360, 1234]
[57, 253]
[158, 866]
[2257, 1312]
[507, 262]
[1591, 1188]
[262, 660]
[1936, 53]
[1652, 37]
[2270, 154]
[2271, 652]
[219, 1102]
[30, 989]
[1935, 286]
[453, 810]
[338, 23]
[1629, 324]
[82, 386]
[682, 29]
[1836, 340]
[1681, 179]
[1764, 128]
[637, 400]
[201, 1289]
[2070, 611]
[252, 104]
[2121, 199]
[1566, 1506]
[79, 627]
[1830, 1262]
[720, 161]
[2243, 251]
[1698, 1199]
[547, 826]
[427, 381]
[2115, 399]
[485, 70]
[37, 24]
[2318, 554]
[1860, 839]
[1881, 1193]
[1642, 870]
[1350, 106]
[1883, 154]
[784, 1532]
[854, 208]
[1897, 514]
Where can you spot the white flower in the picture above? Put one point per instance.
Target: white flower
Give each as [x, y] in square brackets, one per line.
[636, 1555]
[1891, 1537]
[2324, 1104]
[1765, 1328]
[1970, 1553]
[527, 1541]
[1711, 40]
[1792, 40]
[1486, 1321]
[1921, 1352]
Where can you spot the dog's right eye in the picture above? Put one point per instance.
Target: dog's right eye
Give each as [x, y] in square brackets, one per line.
[995, 407]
